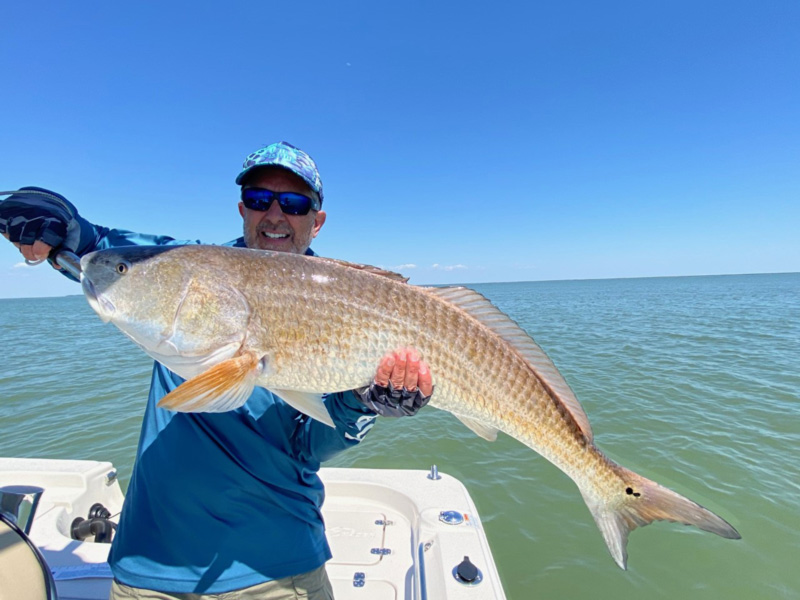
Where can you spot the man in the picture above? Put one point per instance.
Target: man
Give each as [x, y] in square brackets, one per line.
[228, 504]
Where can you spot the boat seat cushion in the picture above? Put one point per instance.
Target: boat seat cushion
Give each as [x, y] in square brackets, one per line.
[22, 575]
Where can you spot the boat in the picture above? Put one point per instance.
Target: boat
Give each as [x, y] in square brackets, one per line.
[394, 534]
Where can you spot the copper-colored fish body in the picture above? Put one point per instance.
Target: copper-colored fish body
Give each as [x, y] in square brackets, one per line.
[228, 319]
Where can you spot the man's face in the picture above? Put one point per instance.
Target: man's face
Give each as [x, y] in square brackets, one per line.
[271, 229]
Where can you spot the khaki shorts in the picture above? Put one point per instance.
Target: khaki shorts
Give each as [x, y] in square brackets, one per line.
[313, 585]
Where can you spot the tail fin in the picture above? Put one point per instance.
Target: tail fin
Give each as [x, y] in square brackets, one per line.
[639, 503]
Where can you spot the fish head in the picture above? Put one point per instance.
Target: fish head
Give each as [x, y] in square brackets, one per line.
[185, 314]
[111, 278]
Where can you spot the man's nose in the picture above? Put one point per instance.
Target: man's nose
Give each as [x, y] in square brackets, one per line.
[274, 212]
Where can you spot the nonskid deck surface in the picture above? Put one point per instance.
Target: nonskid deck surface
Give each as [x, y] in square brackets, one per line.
[385, 527]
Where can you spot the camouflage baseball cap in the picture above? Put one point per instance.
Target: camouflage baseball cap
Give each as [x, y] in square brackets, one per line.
[283, 154]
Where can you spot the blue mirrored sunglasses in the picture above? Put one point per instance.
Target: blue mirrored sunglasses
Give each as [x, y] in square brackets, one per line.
[290, 203]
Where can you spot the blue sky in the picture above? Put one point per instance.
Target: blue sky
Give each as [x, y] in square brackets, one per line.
[458, 141]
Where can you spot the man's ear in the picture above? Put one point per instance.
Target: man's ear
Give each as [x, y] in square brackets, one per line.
[319, 221]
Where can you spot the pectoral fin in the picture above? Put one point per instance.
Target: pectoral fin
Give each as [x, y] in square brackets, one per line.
[221, 388]
[307, 403]
[487, 432]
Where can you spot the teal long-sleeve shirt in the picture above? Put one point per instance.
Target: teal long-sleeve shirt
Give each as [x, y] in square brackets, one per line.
[222, 501]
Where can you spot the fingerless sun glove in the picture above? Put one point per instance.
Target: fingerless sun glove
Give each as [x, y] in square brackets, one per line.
[390, 402]
[34, 213]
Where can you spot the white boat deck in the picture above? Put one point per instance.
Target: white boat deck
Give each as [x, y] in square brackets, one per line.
[384, 528]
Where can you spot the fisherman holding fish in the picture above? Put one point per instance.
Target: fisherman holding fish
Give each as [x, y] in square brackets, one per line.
[228, 502]
[230, 320]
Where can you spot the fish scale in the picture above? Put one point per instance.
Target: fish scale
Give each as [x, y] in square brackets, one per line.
[302, 325]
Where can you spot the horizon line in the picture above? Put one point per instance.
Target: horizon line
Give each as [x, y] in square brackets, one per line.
[514, 281]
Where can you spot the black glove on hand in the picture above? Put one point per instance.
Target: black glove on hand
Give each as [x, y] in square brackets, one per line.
[42, 215]
[390, 402]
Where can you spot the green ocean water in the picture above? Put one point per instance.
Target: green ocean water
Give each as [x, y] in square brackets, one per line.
[691, 381]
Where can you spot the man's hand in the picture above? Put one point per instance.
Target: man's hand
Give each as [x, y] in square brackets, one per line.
[36, 252]
[405, 370]
[36, 220]
[403, 384]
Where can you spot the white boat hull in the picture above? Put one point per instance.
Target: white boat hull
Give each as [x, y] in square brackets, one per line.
[384, 528]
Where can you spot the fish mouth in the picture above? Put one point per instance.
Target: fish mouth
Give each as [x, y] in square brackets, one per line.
[100, 304]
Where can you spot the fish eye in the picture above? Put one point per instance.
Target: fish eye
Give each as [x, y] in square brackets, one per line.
[122, 267]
